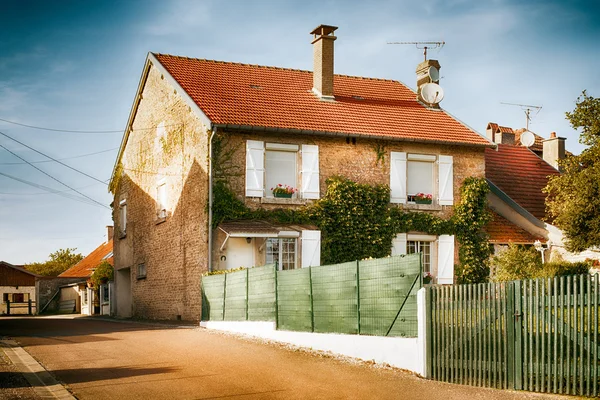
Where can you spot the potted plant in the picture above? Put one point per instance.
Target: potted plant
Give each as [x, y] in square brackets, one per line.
[427, 278]
[284, 191]
[422, 198]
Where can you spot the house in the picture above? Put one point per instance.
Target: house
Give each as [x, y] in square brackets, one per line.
[517, 175]
[78, 297]
[17, 285]
[194, 121]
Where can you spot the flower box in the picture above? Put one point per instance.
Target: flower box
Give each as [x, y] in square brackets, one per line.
[283, 195]
[283, 191]
[423, 198]
[423, 201]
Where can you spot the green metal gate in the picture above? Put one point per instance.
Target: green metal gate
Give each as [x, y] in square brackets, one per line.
[538, 335]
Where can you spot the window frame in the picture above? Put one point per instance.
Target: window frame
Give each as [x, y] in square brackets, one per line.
[141, 271]
[123, 218]
[161, 199]
[282, 147]
[280, 251]
[428, 158]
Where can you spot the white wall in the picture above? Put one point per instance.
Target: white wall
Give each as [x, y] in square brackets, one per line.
[28, 290]
[405, 353]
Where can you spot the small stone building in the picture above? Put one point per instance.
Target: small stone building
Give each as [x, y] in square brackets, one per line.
[17, 285]
[196, 121]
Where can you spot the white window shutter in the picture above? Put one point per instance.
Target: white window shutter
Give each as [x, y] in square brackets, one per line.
[311, 248]
[446, 175]
[445, 271]
[398, 177]
[310, 171]
[399, 244]
[255, 168]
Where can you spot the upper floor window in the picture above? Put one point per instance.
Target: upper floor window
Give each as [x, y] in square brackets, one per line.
[421, 178]
[123, 216]
[161, 198]
[269, 165]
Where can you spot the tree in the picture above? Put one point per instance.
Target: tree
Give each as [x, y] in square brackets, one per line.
[102, 274]
[58, 262]
[574, 197]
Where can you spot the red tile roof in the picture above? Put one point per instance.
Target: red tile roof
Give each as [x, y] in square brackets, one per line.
[503, 231]
[251, 95]
[85, 267]
[536, 147]
[520, 174]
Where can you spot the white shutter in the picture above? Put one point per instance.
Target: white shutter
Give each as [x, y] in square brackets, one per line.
[310, 171]
[398, 177]
[446, 175]
[399, 244]
[255, 168]
[445, 271]
[311, 248]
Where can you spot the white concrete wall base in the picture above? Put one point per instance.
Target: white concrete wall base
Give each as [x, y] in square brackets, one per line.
[405, 353]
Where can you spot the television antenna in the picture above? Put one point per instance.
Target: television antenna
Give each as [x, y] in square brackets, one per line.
[423, 46]
[527, 108]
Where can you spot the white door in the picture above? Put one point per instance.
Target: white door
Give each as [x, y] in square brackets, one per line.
[240, 253]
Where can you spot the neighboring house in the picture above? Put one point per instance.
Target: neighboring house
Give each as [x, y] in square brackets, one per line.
[517, 176]
[271, 126]
[17, 285]
[77, 297]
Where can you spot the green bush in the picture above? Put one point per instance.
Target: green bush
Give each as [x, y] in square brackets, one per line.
[524, 262]
[102, 274]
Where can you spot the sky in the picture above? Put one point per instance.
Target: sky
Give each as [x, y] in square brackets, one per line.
[75, 66]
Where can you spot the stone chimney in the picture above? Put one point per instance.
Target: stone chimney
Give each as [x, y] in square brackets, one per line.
[110, 230]
[554, 149]
[323, 61]
[423, 73]
[504, 137]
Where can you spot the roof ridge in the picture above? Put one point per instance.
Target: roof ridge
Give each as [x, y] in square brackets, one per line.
[273, 67]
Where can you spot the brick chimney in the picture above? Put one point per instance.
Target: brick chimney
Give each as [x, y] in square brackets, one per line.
[110, 230]
[554, 149]
[323, 61]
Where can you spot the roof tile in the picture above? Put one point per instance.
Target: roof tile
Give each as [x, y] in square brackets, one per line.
[85, 267]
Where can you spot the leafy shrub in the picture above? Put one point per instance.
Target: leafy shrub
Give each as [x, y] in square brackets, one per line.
[102, 274]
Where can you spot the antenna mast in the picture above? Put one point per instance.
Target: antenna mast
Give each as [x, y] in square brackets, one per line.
[527, 109]
[423, 46]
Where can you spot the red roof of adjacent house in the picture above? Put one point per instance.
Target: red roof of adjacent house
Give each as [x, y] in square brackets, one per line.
[85, 267]
[536, 147]
[521, 174]
[257, 96]
[503, 231]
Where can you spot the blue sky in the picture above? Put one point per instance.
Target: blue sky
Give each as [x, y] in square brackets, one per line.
[75, 65]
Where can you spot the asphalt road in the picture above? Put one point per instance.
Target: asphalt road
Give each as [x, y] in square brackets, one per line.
[98, 359]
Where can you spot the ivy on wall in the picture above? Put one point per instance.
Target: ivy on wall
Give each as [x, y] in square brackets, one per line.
[357, 222]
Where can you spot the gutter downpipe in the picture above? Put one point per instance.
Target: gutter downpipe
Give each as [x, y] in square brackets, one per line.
[210, 197]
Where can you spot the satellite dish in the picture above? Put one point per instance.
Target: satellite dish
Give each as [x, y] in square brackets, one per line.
[527, 139]
[432, 93]
[434, 74]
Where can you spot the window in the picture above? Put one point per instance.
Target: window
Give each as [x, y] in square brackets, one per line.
[161, 198]
[85, 296]
[5, 297]
[282, 252]
[419, 176]
[271, 164]
[141, 271]
[414, 246]
[280, 167]
[123, 216]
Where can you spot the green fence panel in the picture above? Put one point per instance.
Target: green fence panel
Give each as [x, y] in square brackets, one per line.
[294, 300]
[384, 284]
[212, 297]
[261, 293]
[334, 289]
[235, 296]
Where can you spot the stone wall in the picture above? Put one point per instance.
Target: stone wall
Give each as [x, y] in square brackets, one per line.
[168, 145]
[47, 287]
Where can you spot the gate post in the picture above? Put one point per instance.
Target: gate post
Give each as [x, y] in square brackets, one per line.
[517, 318]
[7, 307]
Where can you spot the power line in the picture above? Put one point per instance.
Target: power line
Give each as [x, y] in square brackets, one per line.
[53, 159]
[48, 189]
[55, 179]
[78, 131]
[62, 159]
[53, 191]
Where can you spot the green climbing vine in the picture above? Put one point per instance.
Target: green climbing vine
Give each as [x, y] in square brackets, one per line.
[357, 221]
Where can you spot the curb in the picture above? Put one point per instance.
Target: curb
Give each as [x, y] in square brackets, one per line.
[44, 384]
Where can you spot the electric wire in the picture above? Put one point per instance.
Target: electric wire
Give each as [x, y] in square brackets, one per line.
[62, 159]
[53, 159]
[55, 179]
[49, 189]
[78, 131]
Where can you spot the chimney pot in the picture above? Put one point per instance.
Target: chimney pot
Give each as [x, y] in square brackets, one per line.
[323, 61]
[552, 135]
[553, 150]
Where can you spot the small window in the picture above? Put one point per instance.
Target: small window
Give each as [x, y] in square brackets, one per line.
[420, 178]
[105, 297]
[5, 297]
[413, 247]
[161, 198]
[282, 252]
[141, 271]
[85, 296]
[123, 217]
[281, 169]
